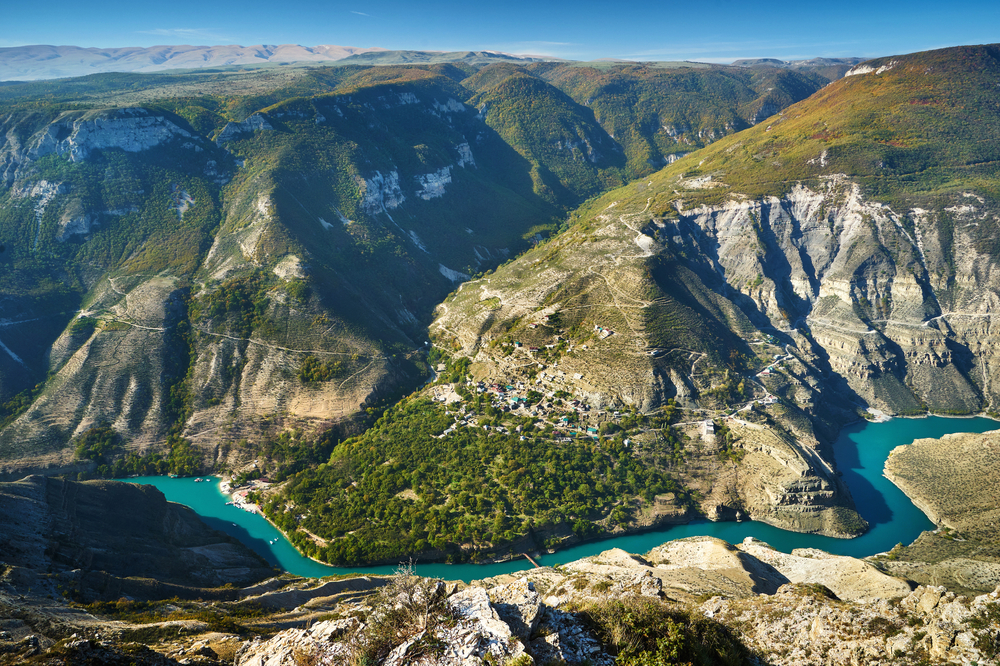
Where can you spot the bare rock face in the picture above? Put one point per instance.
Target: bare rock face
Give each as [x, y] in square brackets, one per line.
[841, 262]
[107, 533]
[849, 578]
[690, 568]
[807, 608]
[75, 134]
[519, 606]
[801, 626]
[786, 482]
[292, 645]
[499, 624]
[253, 123]
[477, 635]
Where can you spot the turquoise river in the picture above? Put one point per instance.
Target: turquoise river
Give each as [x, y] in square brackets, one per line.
[861, 451]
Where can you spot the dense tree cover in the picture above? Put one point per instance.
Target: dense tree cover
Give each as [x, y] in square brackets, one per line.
[181, 458]
[401, 489]
[241, 303]
[18, 404]
[652, 112]
[572, 156]
[97, 444]
[313, 370]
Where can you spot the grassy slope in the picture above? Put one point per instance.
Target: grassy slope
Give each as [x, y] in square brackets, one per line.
[927, 125]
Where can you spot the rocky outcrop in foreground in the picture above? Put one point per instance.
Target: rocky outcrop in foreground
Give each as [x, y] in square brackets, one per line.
[807, 607]
[804, 625]
[697, 601]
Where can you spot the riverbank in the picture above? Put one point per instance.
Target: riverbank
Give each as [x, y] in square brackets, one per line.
[953, 479]
[860, 451]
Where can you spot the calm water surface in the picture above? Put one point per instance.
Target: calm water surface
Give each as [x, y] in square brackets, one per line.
[861, 451]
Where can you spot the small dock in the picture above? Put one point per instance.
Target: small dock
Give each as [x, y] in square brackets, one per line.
[530, 559]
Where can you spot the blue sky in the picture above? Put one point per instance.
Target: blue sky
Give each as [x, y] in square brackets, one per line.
[710, 31]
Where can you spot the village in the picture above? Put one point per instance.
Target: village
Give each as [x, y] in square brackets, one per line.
[570, 417]
[551, 398]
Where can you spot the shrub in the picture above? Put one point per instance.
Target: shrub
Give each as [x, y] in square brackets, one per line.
[406, 606]
[646, 632]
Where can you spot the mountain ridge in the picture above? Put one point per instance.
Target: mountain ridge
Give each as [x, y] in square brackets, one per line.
[25, 63]
[42, 61]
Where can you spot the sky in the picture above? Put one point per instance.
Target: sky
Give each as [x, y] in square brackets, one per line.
[706, 31]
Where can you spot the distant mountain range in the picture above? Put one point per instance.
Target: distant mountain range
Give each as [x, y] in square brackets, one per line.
[831, 68]
[32, 63]
[27, 63]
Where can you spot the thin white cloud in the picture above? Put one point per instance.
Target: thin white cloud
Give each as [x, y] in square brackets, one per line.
[361, 13]
[535, 47]
[720, 51]
[184, 33]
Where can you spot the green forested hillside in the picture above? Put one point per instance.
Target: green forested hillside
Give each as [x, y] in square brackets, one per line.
[657, 114]
[571, 156]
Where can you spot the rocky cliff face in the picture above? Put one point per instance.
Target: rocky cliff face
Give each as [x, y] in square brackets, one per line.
[112, 535]
[204, 274]
[898, 309]
[74, 135]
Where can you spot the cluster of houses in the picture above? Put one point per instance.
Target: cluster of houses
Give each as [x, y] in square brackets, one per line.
[240, 497]
[767, 372]
[513, 399]
[603, 332]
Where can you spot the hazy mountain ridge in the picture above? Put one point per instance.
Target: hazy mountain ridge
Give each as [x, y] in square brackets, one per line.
[28, 63]
[31, 63]
[830, 68]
